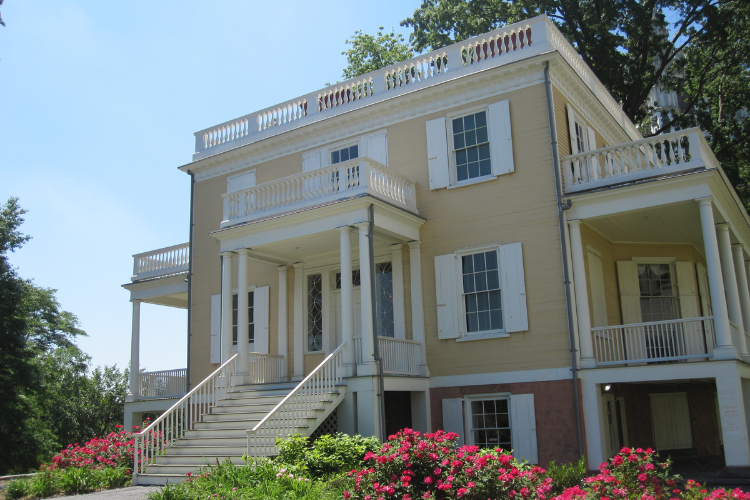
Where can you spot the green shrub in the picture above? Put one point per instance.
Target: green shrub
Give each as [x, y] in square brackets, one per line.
[75, 480]
[18, 488]
[44, 483]
[115, 477]
[330, 454]
[566, 475]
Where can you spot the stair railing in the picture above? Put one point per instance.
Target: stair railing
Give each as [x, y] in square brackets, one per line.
[285, 419]
[181, 417]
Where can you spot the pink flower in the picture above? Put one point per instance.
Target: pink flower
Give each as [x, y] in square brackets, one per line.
[347, 495]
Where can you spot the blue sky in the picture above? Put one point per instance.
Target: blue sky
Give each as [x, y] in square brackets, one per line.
[98, 105]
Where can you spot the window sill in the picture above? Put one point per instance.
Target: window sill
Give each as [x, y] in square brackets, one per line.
[471, 182]
[483, 336]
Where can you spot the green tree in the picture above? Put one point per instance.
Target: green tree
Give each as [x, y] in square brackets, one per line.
[370, 52]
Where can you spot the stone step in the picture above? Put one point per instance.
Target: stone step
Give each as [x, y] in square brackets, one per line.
[205, 458]
[189, 447]
[159, 479]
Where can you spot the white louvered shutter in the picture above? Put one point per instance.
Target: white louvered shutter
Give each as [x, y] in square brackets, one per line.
[515, 316]
[453, 418]
[572, 131]
[446, 290]
[703, 290]
[523, 427]
[501, 143]
[260, 319]
[377, 148]
[215, 356]
[688, 290]
[437, 154]
[630, 293]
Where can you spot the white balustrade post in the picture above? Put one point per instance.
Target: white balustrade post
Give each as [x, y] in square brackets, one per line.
[282, 340]
[368, 366]
[347, 301]
[299, 301]
[243, 329]
[399, 314]
[734, 308]
[417, 307]
[739, 268]
[585, 342]
[724, 346]
[226, 306]
[135, 341]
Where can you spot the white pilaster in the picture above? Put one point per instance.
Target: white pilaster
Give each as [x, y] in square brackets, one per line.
[724, 346]
[282, 341]
[243, 329]
[299, 311]
[739, 269]
[592, 409]
[399, 314]
[347, 300]
[417, 309]
[368, 366]
[729, 389]
[226, 305]
[135, 348]
[582, 300]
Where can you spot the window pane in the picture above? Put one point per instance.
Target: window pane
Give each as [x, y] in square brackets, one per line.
[489, 406]
[472, 322]
[471, 137]
[462, 172]
[490, 420]
[482, 136]
[468, 283]
[496, 320]
[251, 333]
[483, 302]
[458, 141]
[471, 303]
[484, 168]
[461, 157]
[469, 122]
[354, 151]
[491, 259]
[481, 282]
[314, 312]
[473, 154]
[468, 263]
[344, 154]
[476, 406]
[493, 280]
[478, 421]
[384, 299]
[502, 405]
[473, 170]
[481, 119]
[484, 151]
[335, 157]
[478, 262]
[458, 125]
[502, 419]
[484, 321]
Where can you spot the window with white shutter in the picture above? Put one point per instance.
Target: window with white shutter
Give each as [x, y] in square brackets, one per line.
[582, 139]
[470, 147]
[481, 293]
[215, 353]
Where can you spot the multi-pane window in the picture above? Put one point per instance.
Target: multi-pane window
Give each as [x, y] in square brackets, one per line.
[384, 299]
[659, 301]
[344, 154]
[581, 138]
[490, 423]
[355, 279]
[481, 292]
[471, 146]
[314, 313]
[235, 308]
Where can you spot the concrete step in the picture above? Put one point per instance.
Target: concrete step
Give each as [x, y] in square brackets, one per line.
[239, 413]
[159, 479]
[288, 386]
[229, 423]
[209, 458]
[251, 393]
[173, 470]
[189, 447]
[216, 433]
[228, 406]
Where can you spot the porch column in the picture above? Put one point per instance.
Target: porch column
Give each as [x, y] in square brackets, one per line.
[135, 347]
[347, 300]
[582, 296]
[299, 337]
[731, 391]
[243, 330]
[282, 322]
[417, 310]
[734, 308]
[724, 348]
[739, 268]
[368, 366]
[226, 306]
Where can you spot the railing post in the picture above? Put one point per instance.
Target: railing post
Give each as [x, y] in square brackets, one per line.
[694, 143]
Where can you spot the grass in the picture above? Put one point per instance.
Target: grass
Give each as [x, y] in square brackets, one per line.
[72, 481]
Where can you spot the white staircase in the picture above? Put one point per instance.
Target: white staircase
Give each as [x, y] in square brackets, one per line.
[217, 421]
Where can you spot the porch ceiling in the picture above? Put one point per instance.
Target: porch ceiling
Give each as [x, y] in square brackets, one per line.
[166, 291]
[675, 223]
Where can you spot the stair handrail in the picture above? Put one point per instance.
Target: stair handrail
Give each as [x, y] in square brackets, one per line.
[172, 424]
[297, 405]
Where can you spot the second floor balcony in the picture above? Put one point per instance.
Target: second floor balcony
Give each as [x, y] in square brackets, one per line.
[361, 176]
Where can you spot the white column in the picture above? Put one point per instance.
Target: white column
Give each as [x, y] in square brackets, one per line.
[299, 311]
[399, 315]
[282, 321]
[739, 269]
[368, 366]
[731, 391]
[417, 309]
[135, 347]
[592, 410]
[582, 296]
[243, 330]
[347, 300]
[226, 306]
[724, 347]
[734, 309]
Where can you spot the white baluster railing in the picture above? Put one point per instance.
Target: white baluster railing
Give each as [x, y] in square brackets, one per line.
[691, 338]
[265, 368]
[653, 156]
[162, 384]
[400, 356]
[343, 180]
[161, 262]
[291, 415]
[181, 417]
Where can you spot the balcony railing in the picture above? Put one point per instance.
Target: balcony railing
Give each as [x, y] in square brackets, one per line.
[163, 384]
[161, 262]
[265, 368]
[344, 180]
[655, 156]
[400, 356]
[659, 341]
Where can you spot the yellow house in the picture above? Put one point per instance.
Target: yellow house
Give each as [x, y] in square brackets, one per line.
[476, 240]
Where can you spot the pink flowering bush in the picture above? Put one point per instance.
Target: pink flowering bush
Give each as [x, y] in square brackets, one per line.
[410, 466]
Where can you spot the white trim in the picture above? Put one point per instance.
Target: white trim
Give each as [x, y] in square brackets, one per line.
[514, 377]
[654, 260]
[468, 420]
[452, 173]
[471, 182]
[464, 335]
[490, 334]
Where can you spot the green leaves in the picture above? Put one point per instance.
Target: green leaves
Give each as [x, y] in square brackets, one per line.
[369, 52]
